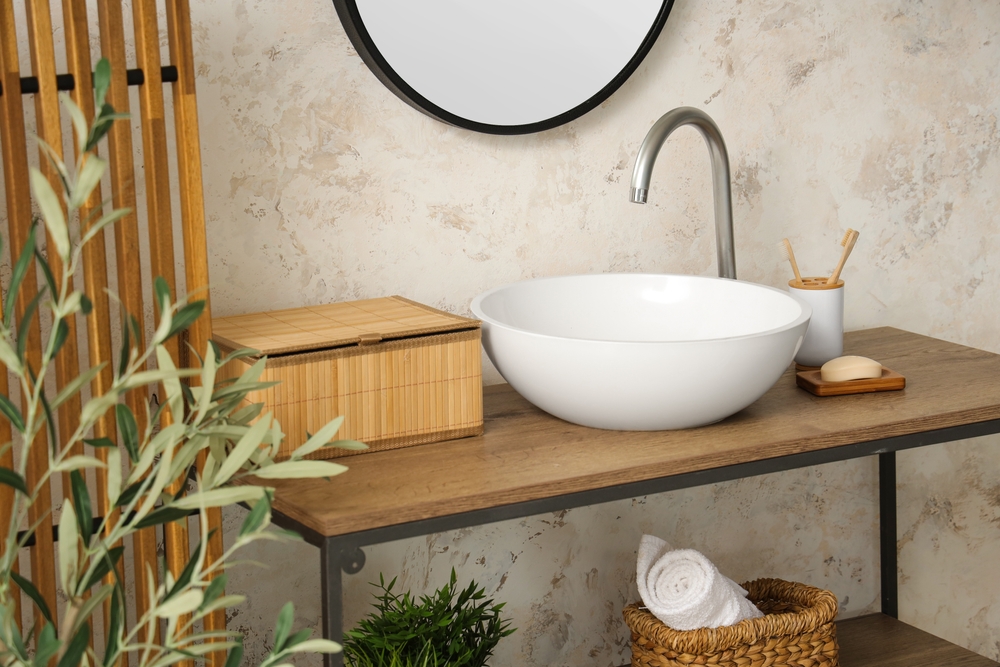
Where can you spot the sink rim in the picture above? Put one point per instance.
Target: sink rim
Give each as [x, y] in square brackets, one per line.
[476, 307]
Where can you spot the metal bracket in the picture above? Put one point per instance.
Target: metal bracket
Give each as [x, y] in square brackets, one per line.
[352, 561]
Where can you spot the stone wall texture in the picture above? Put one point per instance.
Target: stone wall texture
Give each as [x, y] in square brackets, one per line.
[879, 115]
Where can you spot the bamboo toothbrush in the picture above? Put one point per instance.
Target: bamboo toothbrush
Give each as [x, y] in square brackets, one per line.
[850, 238]
[786, 249]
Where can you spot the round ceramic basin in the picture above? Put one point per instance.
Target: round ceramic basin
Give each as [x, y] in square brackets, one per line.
[640, 351]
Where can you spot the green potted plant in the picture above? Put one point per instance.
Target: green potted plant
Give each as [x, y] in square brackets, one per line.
[457, 628]
[237, 442]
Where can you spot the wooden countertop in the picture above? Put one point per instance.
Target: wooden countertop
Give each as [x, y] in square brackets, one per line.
[526, 454]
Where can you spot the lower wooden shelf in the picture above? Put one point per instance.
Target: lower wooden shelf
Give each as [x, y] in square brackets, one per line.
[882, 641]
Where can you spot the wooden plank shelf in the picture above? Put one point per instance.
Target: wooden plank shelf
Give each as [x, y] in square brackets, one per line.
[526, 455]
[882, 641]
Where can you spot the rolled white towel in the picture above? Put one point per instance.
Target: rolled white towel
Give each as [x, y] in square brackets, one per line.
[686, 591]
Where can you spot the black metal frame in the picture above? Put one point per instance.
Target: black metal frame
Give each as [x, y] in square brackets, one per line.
[350, 17]
[343, 553]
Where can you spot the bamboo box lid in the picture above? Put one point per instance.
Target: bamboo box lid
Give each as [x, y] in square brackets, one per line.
[335, 325]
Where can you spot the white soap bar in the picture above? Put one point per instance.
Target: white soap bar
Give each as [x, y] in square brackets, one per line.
[843, 369]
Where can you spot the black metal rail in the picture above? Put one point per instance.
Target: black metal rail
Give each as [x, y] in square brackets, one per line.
[97, 520]
[135, 77]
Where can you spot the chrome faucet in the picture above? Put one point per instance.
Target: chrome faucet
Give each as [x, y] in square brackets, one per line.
[655, 138]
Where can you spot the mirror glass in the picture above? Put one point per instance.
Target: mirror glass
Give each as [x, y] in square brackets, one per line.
[503, 66]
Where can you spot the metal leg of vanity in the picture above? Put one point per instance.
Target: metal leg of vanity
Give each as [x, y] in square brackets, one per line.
[336, 558]
[343, 553]
[888, 539]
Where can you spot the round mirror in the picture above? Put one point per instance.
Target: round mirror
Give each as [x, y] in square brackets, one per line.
[505, 66]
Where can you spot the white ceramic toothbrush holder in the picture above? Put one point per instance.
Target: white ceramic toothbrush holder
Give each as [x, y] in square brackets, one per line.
[824, 339]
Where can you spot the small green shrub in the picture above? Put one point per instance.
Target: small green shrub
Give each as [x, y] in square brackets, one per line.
[457, 629]
[208, 423]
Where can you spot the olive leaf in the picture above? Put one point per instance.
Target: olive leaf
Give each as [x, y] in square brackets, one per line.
[300, 470]
[52, 212]
[69, 549]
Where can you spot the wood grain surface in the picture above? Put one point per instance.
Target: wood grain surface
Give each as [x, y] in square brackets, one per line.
[882, 641]
[813, 382]
[526, 454]
[327, 326]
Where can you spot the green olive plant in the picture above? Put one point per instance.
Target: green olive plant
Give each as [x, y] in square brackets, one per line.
[210, 418]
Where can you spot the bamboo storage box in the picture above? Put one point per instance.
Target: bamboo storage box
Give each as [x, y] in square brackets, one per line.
[399, 372]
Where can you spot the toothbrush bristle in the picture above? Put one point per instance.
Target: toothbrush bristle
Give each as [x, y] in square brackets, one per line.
[847, 237]
[783, 247]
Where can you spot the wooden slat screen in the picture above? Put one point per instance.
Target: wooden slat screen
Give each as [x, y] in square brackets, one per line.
[128, 237]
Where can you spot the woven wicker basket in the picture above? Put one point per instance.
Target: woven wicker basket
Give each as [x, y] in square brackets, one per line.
[797, 629]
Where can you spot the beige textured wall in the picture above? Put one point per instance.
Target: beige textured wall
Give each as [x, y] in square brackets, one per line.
[875, 114]
[880, 116]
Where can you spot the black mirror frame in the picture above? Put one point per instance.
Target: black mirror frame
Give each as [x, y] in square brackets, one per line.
[350, 17]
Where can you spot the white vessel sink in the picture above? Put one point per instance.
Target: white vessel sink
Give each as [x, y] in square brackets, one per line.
[640, 351]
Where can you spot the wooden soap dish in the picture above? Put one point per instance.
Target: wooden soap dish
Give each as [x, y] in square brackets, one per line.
[814, 384]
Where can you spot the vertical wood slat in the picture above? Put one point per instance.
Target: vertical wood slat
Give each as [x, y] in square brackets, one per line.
[189, 167]
[159, 222]
[154, 149]
[194, 233]
[49, 129]
[11, 127]
[15, 153]
[122, 173]
[6, 492]
[95, 269]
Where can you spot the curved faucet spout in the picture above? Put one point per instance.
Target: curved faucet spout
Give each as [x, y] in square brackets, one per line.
[655, 138]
